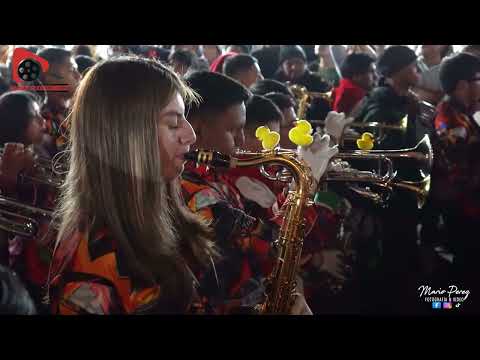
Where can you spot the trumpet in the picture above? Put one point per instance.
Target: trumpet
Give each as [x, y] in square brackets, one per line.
[381, 128]
[45, 171]
[419, 158]
[304, 98]
[385, 177]
[17, 218]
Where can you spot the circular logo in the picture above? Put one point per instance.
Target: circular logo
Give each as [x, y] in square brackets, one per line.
[29, 70]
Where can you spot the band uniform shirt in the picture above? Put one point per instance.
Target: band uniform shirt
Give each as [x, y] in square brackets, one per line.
[457, 165]
[96, 282]
[247, 259]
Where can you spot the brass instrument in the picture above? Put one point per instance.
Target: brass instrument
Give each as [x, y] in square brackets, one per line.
[385, 178]
[281, 284]
[379, 128]
[17, 218]
[45, 171]
[419, 157]
[425, 116]
[304, 98]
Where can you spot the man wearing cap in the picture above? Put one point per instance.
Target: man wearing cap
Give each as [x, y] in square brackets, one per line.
[293, 69]
[389, 103]
[392, 100]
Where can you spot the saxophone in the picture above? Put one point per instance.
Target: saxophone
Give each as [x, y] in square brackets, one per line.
[281, 284]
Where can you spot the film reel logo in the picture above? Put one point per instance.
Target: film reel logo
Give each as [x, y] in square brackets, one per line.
[26, 70]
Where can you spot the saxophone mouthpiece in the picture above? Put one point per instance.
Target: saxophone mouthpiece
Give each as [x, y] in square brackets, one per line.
[209, 158]
[191, 155]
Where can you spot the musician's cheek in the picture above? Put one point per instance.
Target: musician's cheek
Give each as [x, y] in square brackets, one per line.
[171, 166]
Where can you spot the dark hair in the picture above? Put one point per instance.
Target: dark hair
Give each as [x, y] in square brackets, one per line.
[55, 55]
[268, 60]
[309, 52]
[84, 63]
[261, 111]
[15, 115]
[281, 100]
[155, 52]
[237, 64]
[182, 56]
[14, 297]
[290, 52]
[217, 91]
[394, 59]
[459, 67]
[355, 64]
[85, 50]
[265, 86]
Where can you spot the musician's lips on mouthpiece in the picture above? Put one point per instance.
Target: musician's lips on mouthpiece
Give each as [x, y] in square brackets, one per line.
[183, 155]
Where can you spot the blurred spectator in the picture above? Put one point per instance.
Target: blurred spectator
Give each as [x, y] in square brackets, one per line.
[211, 52]
[243, 68]
[181, 60]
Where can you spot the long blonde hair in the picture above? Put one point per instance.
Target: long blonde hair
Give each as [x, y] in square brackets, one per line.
[115, 178]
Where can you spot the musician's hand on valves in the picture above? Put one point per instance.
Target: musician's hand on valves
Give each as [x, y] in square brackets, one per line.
[318, 155]
[15, 159]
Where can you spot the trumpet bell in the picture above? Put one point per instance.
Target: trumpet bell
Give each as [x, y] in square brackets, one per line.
[421, 189]
[20, 218]
[415, 163]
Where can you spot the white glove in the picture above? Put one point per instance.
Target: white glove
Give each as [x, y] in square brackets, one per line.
[335, 124]
[300, 307]
[318, 155]
[476, 117]
[257, 191]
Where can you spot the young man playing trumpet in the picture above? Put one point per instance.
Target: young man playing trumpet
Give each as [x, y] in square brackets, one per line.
[392, 100]
[22, 127]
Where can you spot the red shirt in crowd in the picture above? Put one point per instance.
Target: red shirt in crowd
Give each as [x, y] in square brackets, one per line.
[346, 96]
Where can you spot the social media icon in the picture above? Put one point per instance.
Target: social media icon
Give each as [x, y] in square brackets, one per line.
[447, 305]
[436, 305]
[457, 305]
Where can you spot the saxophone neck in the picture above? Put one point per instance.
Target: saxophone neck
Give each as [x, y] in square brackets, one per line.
[285, 158]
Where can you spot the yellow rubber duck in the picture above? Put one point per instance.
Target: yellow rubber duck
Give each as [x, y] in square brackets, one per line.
[366, 141]
[301, 134]
[269, 139]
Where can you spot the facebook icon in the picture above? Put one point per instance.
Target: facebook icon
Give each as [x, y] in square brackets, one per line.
[436, 305]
